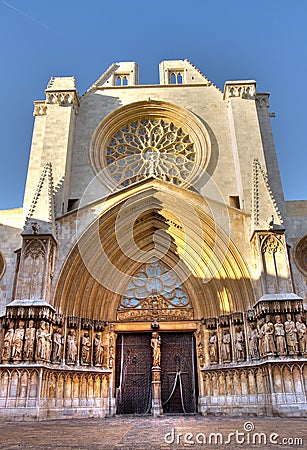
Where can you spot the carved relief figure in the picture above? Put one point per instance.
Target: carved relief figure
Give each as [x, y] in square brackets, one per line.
[57, 339]
[85, 349]
[111, 345]
[28, 350]
[41, 344]
[201, 354]
[156, 344]
[98, 350]
[226, 346]
[268, 337]
[291, 335]
[213, 355]
[7, 343]
[281, 346]
[18, 341]
[48, 342]
[261, 337]
[71, 350]
[253, 342]
[302, 334]
[239, 344]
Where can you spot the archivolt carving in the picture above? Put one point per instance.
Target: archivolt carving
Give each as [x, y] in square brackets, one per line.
[300, 255]
[2, 265]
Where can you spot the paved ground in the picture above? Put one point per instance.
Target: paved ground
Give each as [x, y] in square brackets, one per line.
[147, 433]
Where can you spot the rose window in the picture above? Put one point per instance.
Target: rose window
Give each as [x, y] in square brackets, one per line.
[150, 147]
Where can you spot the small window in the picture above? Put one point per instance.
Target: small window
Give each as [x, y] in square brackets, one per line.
[234, 201]
[121, 79]
[73, 203]
[173, 79]
[176, 78]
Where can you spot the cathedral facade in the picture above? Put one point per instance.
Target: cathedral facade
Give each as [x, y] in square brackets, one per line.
[155, 266]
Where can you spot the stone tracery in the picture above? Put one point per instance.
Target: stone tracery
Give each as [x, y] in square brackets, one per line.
[150, 147]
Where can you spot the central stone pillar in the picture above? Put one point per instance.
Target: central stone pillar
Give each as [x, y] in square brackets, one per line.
[156, 403]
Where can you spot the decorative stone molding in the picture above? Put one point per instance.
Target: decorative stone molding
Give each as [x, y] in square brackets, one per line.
[35, 248]
[2, 265]
[262, 100]
[300, 255]
[270, 243]
[45, 392]
[62, 98]
[257, 173]
[241, 89]
[258, 389]
[40, 108]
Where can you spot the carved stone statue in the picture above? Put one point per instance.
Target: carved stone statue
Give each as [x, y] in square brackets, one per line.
[41, 341]
[28, 350]
[226, 346]
[7, 343]
[261, 338]
[18, 342]
[57, 346]
[239, 344]
[156, 344]
[48, 342]
[302, 334]
[268, 337]
[71, 347]
[212, 344]
[111, 345]
[98, 350]
[291, 335]
[281, 346]
[201, 356]
[85, 349]
[253, 344]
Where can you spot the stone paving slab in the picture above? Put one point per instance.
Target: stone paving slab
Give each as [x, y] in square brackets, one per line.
[147, 433]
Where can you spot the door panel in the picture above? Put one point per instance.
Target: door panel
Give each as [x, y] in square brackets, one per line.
[133, 373]
[178, 383]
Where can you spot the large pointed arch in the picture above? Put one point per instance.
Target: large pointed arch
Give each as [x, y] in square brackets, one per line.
[152, 220]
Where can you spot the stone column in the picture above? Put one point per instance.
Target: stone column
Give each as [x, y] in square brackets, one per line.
[156, 375]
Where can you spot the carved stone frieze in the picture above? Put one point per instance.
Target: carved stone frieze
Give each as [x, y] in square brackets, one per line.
[162, 314]
[40, 109]
[61, 98]
[245, 90]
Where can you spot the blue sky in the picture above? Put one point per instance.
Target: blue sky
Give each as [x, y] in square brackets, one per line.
[265, 40]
